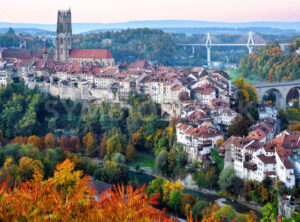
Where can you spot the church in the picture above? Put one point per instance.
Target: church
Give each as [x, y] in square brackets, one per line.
[64, 51]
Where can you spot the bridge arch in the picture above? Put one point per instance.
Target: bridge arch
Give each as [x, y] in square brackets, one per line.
[293, 93]
[267, 95]
[282, 90]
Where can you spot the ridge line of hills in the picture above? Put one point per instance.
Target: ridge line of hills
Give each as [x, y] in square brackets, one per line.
[172, 25]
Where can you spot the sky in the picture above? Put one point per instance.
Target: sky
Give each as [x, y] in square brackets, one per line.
[109, 11]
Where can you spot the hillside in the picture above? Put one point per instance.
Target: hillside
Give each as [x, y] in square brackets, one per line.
[132, 44]
[271, 64]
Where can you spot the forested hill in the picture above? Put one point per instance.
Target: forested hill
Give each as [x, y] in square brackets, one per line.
[271, 64]
[131, 44]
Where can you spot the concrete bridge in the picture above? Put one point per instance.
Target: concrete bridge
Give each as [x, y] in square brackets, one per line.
[209, 44]
[281, 90]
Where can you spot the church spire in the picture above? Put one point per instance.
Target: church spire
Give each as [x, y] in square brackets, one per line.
[45, 48]
[45, 52]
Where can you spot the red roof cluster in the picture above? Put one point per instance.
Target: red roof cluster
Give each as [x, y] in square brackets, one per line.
[90, 53]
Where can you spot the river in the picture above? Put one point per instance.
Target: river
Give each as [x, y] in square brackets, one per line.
[143, 178]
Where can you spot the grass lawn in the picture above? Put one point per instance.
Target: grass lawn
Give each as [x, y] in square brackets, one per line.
[234, 74]
[143, 160]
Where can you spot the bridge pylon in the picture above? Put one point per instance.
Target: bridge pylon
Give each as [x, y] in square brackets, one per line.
[208, 46]
[250, 43]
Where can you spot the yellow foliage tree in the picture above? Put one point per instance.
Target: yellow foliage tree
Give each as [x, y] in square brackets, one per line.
[219, 142]
[169, 187]
[28, 166]
[130, 152]
[65, 179]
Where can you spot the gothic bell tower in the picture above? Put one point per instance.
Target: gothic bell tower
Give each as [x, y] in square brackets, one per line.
[63, 39]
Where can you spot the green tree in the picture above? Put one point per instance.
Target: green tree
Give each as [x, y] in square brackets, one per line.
[156, 186]
[238, 127]
[198, 208]
[226, 179]
[161, 162]
[116, 143]
[118, 158]
[174, 202]
[113, 172]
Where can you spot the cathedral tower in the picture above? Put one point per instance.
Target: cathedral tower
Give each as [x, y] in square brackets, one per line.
[63, 39]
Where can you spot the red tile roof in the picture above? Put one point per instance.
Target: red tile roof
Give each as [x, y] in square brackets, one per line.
[267, 159]
[90, 53]
[183, 126]
[139, 64]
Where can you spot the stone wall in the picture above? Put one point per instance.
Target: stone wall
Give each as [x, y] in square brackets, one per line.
[74, 93]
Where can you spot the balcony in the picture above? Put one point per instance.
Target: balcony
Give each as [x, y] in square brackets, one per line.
[199, 147]
[207, 143]
[250, 166]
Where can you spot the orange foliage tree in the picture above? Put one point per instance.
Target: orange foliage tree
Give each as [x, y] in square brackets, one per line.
[70, 144]
[50, 141]
[69, 197]
[19, 140]
[36, 141]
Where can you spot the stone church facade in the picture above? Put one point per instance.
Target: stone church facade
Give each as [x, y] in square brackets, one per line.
[64, 51]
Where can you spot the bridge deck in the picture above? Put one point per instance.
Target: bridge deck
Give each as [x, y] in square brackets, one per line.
[276, 84]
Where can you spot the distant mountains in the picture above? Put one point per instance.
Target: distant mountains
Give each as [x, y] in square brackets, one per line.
[171, 25]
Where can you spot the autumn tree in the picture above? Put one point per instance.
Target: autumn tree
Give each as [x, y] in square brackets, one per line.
[137, 207]
[64, 143]
[130, 153]
[36, 141]
[8, 172]
[90, 144]
[75, 144]
[39, 200]
[19, 140]
[168, 187]
[28, 166]
[50, 141]
[65, 179]
[219, 142]
[187, 203]
[102, 150]
[251, 216]
[138, 139]
[67, 196]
